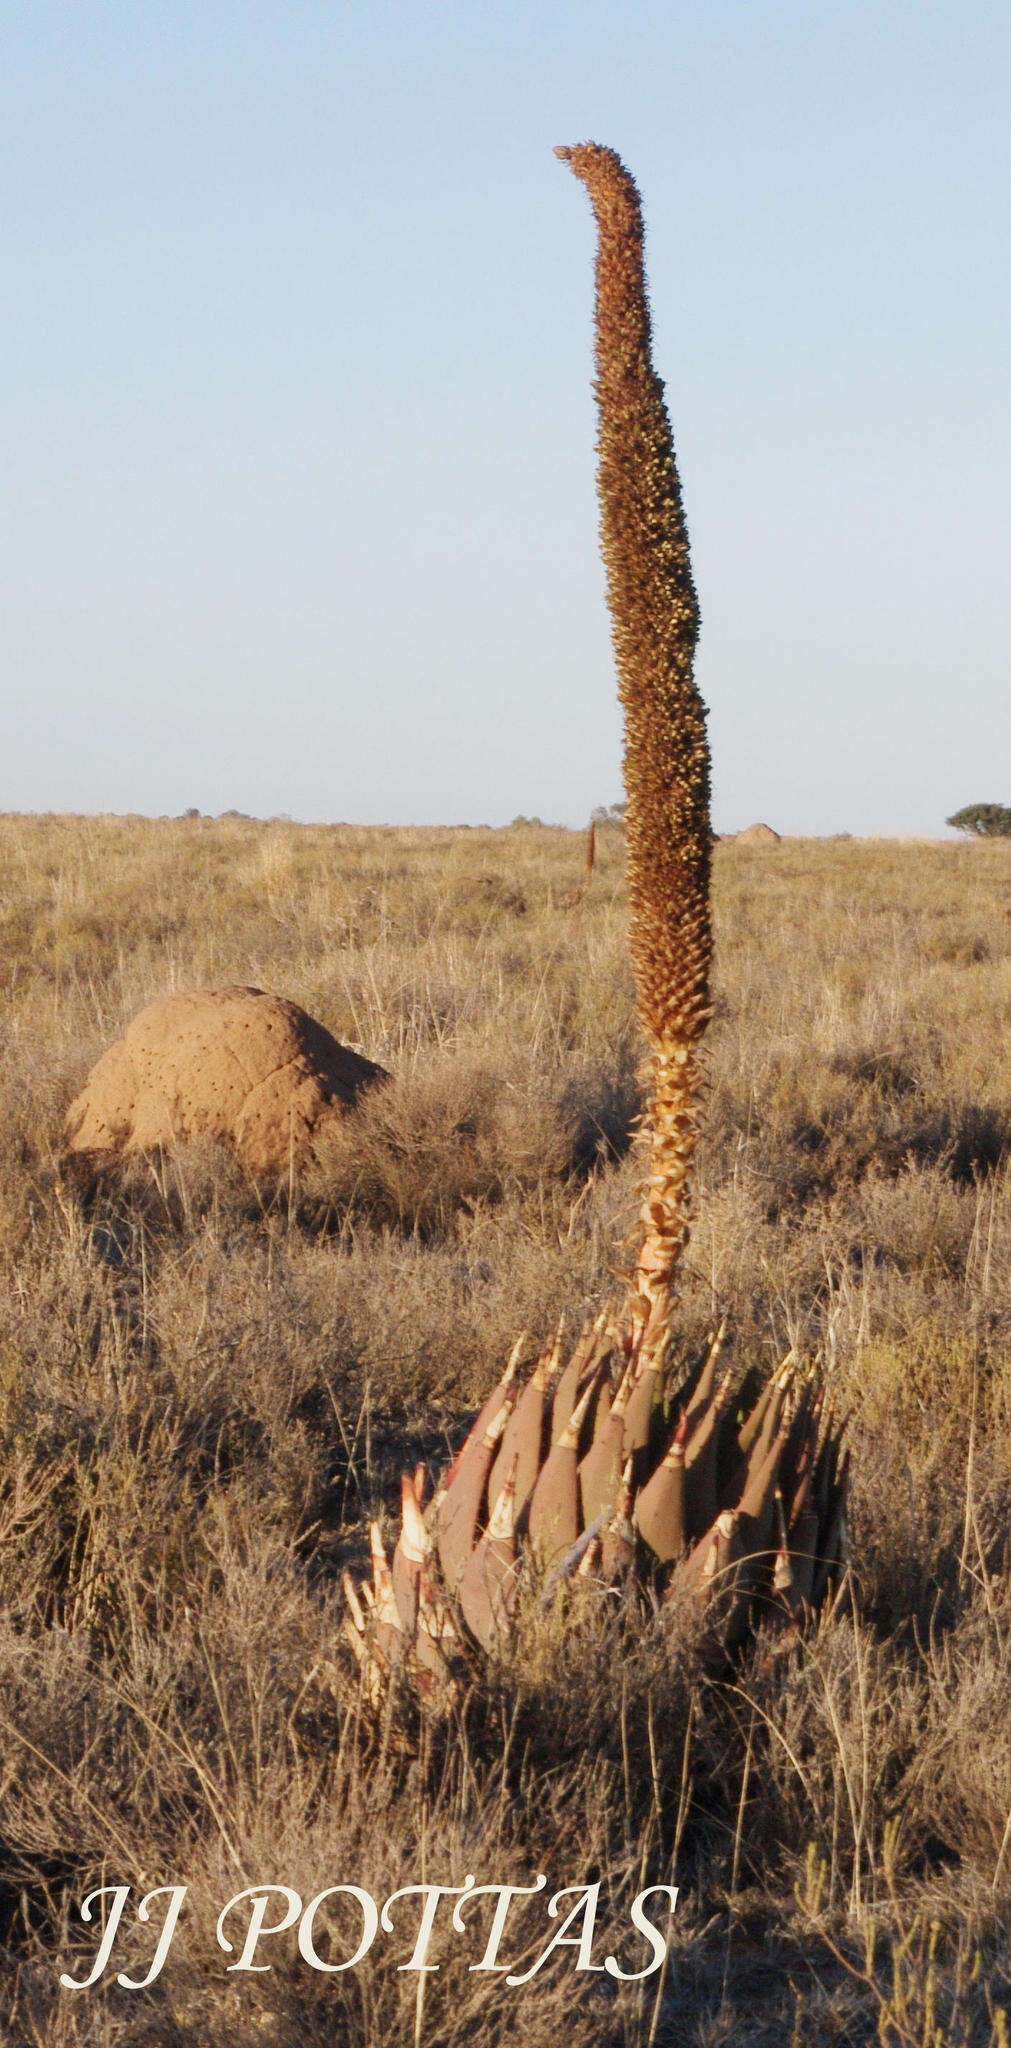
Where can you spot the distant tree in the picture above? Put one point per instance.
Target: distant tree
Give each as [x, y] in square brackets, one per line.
[985, 821]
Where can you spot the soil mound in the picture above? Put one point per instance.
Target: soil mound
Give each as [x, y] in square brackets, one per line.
[230, 1063]
[758, 835]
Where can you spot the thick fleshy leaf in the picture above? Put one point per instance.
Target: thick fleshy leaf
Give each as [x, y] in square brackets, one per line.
[487, 1592]
[460, 1510]
[600, 1470]
[413, 1546]
[523, 1433]
[701, 1455]
[641, 1403]
[502, 1395]
[590, 1345]
[552, 1518]
[660, 1506]
[705, 1386]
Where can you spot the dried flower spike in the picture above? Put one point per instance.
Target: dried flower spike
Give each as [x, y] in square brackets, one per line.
[655, 621]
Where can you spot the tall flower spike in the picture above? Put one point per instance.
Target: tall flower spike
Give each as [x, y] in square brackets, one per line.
[655, 623]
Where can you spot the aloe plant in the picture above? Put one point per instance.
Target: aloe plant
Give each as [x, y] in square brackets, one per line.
[727, 1506]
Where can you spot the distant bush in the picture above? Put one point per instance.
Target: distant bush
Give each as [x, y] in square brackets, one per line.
[987, 821]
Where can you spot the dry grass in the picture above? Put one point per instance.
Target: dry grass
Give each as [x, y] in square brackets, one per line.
[206, 1389]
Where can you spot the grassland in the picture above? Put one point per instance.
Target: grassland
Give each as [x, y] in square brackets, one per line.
[206, 1389]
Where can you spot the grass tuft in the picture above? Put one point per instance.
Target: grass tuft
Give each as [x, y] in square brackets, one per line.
[207, 1390]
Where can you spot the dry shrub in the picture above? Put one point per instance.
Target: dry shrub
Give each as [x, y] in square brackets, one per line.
[453, 1133]
[457, 1132]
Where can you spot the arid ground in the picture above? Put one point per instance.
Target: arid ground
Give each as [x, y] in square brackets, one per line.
[208, 1388]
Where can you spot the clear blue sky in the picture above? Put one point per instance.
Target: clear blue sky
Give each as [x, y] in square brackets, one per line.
[297, 497]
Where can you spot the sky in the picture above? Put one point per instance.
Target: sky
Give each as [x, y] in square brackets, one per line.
[297, 502]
